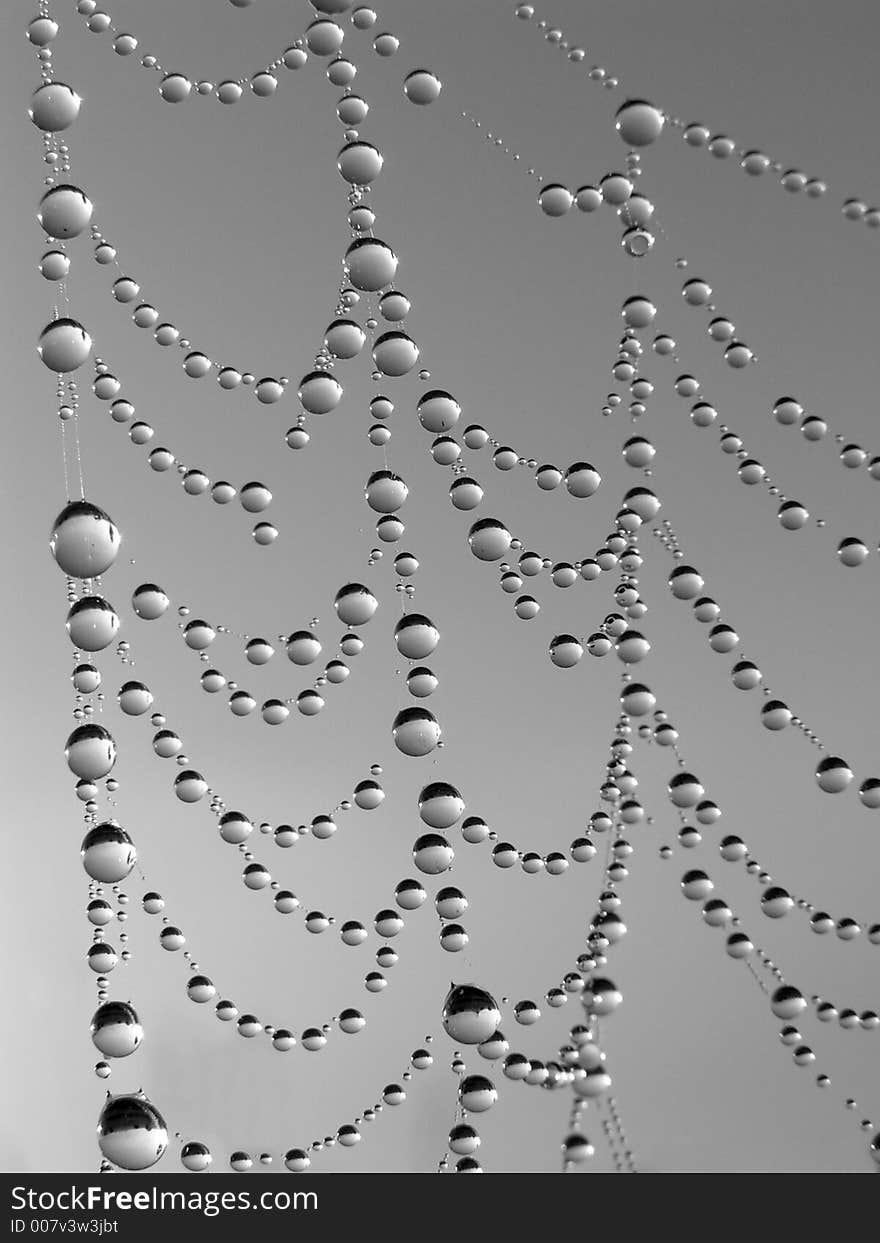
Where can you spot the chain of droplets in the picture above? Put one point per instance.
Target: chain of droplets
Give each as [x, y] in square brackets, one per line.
[106, 387]
[755, 163]
[367, 794]
[776, 901]
[100, 955]
[196, 364]
[606, 927]
[565, 649]
[510, 856]
[786, 1001]
[547, 1073]
[547, 477]
[604, 930]
[505, 855]
[497, 142]
[463, 1137]
[444, 442]
[620, 1135]
[275, 710]
[197, 636]
[848, 1018]
[450, 902]
[235, 828]
[584, 1057]
[201, 989]
[685, 790]
[787, 411]
[618, 551]
[99, 912]
[599, 996]
[564, 574]
[349, 1134]
[832, 772]
[268, 390]
[614, 189]
[552, 1074]
[500, 145]
[627, 369]
[638, 700]
[617, 190]
[67, 397]
[175, 87]
[197, 1157]
[752, 161]
[517, 1066]
[56, 154]
[323, 38]
[185, 610]
[477, 1093]
[135, 699]
[597, 74]
[611, 1138]
[167, 744]
[303, 647]
[697, 886]
[581, 479]
[697, 293]
[791, 514]
[576, 1147]
[255, 497]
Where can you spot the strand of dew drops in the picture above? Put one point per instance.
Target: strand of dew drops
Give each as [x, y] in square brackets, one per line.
[753, 162]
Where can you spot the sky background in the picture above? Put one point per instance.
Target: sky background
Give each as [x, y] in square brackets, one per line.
[233, 221]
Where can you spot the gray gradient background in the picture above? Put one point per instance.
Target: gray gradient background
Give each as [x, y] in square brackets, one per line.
[233, 221]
